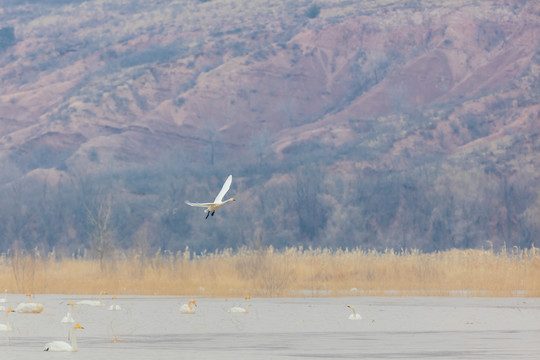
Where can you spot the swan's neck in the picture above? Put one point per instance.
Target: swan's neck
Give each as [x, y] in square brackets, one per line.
[190, 304]
[7, 319]
[74, 340]
[353, 310]
[226, 201]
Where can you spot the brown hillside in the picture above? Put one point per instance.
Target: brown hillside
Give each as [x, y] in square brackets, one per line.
[150, 97]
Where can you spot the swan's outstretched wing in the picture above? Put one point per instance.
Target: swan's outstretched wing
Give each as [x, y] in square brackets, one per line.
[198, 204]
[224, 190]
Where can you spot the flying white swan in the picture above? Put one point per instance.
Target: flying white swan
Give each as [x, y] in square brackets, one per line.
[189, 307]
[93, 302]
[238, 309]
[114, 307]
[62, 345]
[354, 315]
[218, 202]
[6, 327]
[29, 307]
[69, 317]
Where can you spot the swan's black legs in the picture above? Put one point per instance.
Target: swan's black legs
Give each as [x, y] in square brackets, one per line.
[208, 213]
[213, 212]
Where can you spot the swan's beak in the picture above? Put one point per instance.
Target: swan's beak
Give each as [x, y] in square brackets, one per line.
[233, 199]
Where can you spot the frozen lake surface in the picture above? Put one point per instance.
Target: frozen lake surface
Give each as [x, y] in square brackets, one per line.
[283, 328]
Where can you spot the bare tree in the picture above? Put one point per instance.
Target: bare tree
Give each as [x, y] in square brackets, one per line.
[311, 211]
[101, 237]
[260, 146]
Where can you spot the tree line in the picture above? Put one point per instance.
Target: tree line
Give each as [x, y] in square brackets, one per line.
[437, 203]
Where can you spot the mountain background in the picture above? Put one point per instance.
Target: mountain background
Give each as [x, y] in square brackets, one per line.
[370, 123]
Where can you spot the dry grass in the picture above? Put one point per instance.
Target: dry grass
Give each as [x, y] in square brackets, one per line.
[292, 272]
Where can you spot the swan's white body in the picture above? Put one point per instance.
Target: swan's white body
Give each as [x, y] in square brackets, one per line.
[93, 302]
[29, 307]
[188, 308]
[62, 345]
[218, 201]
[114, 307]
[354, 315]
[69, 317]
[58, 346]
[238, 309]
[6, 327]
[241, 310]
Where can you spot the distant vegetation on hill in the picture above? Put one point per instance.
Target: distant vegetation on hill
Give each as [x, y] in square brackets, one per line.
[372, 124]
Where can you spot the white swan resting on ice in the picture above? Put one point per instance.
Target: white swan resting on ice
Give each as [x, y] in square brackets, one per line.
[238, 309]
[114, 307]
[69, 316]
[93, 302]
[218, 201]
[188, 308]
[6, 327]
[354, 315]
[62, 345]
[29, 307]
[4, 299]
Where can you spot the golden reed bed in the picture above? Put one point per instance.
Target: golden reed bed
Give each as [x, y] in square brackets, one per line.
[291, 272]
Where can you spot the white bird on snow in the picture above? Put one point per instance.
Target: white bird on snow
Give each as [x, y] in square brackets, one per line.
[218, 202]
